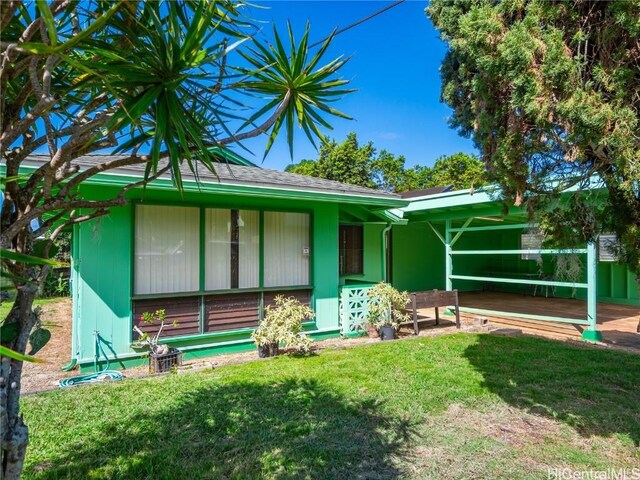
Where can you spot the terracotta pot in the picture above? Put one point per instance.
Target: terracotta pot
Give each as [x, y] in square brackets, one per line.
[372, 332]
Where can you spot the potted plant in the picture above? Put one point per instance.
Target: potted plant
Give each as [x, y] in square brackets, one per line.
[372, 330]
[162, 358]
[386, 309]
[282, 326]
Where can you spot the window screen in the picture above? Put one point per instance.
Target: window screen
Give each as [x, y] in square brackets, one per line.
[606, 247]
[351, 249]
[286, 249]
[167, 252]
[530, 241]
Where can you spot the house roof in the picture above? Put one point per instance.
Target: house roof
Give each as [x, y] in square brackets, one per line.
[239, 176]
[425, 192]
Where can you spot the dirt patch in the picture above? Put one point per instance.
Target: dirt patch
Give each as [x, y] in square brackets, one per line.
[57, 352]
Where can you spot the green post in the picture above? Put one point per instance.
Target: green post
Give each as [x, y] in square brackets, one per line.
[447, 252]
[383, 254]
[591, 333]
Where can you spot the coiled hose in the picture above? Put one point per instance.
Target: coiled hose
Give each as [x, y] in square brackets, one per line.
[101, 376]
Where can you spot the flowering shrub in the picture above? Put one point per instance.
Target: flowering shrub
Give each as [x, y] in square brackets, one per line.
[282, 325]
[386, 306]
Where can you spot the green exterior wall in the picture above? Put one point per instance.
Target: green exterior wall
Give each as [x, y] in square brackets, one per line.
[102, 274]
[417, 258]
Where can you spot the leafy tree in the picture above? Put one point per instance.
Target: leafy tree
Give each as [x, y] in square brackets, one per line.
[460, 170]
[160, 83]
[355, 164]
[348, 162]
[550, 93]
[305, 167]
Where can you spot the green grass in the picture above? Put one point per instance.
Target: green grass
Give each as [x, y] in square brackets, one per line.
[459, 406]
[5, 307]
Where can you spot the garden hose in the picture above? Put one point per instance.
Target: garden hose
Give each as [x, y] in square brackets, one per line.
[101, 376]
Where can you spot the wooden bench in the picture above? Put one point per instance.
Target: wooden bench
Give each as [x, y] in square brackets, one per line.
[434, 299]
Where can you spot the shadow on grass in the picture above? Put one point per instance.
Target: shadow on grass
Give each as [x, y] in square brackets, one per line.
[593, 390]
[290, 429]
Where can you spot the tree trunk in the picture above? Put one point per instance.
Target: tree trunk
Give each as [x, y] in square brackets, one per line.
[15, 434]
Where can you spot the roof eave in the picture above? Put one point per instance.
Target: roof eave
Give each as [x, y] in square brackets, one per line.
[288, 192]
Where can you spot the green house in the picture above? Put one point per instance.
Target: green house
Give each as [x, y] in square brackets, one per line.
[214, 256]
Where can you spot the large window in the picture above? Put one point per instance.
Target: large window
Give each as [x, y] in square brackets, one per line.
[286, 249]
[168, 242]
[167, 253]
[351, 249]
[232, 249]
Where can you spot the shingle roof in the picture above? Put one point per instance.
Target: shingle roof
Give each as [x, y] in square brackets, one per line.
[426, 191]
[228, 174]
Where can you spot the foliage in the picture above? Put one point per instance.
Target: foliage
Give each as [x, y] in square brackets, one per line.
[152, 341]
[346, 162]
[459, 170]
[386, 306]
[346, 413]
[7, 352]
[56, 284]
[569, 268]
[163, 85]
[350, 162]
[282, 324]
[550, 93]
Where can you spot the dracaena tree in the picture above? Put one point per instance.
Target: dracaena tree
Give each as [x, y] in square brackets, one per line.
[160, 84]
[550, 93]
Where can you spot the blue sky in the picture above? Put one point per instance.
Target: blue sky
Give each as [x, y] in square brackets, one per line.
[394, 65]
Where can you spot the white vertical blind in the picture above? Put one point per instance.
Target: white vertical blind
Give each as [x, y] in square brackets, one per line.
[167, 253]
[286, 249]
[249, 248]
[530, 241]
[217, 250]
[607, 243]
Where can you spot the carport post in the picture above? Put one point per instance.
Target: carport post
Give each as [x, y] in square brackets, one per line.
[447, 255]
[591, 333]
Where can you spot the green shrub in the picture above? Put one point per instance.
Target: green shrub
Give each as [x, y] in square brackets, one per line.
[282, 325]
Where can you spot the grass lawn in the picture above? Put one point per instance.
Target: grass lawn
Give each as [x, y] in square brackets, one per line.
[455, 406]
[5, 307]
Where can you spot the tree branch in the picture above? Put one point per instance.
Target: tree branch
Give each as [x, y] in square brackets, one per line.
[262, 128]
[64, 203]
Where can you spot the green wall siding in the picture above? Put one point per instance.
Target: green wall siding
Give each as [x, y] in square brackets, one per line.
[103, 269]
[103, 280]
[417, 258]
[325, 265]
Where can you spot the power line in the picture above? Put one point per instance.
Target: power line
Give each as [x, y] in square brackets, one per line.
[359, 22]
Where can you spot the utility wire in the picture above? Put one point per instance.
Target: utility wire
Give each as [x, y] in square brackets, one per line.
[359, 22]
